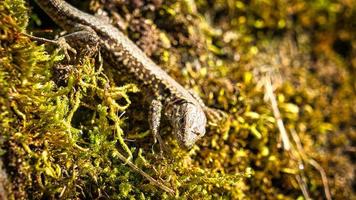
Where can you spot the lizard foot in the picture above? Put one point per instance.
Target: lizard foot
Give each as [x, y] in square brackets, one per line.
[158, 139]
[61, 42]
[215, 116]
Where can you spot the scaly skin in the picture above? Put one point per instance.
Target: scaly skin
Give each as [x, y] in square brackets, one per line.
[184, 111]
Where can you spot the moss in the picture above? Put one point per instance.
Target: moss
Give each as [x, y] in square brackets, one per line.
[74, 130]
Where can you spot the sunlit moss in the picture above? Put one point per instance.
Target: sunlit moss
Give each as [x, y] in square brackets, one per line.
[70, 140]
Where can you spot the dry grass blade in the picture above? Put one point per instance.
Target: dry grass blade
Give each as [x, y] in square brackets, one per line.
[295, 153]
[144, 174]
[313, 163]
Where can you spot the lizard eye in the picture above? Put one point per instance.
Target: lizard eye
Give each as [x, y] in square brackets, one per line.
[181, 120]
[196, 133]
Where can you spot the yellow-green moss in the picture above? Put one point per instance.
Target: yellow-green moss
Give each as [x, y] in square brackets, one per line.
[70, 141]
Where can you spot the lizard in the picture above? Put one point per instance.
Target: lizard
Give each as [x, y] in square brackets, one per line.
[185, 111]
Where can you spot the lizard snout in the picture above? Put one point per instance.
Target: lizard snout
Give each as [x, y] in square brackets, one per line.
[189, 127]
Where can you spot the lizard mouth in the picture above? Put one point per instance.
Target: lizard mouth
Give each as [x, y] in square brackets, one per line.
[186, 145]
[183, 142]
[188, 142]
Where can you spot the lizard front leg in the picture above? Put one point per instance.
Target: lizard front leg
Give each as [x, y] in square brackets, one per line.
[155, 114]
[85, 38]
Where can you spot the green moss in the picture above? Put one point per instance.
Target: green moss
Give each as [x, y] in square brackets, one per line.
[84, 135]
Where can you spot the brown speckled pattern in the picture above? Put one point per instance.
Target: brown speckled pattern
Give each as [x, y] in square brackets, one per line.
[184, 112]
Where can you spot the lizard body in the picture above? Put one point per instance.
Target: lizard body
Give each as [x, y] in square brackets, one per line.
[182, 109]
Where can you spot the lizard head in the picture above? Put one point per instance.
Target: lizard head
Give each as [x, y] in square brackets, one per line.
[188, 121]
